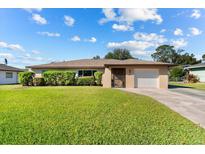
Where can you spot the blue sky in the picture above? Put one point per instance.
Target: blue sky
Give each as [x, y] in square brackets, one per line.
[36, 36]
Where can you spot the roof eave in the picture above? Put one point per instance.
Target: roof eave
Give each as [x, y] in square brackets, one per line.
[195, 67]
[140, 64]
[65, 67]
[11, 70]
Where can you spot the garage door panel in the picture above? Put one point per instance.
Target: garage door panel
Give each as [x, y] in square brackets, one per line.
[146, 78]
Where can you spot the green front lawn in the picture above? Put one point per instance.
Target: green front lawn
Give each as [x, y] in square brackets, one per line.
[89, 115]
[199, 86]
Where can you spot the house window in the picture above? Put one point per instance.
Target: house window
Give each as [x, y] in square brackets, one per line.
[86, 73]
[9, 75]
[80, 73]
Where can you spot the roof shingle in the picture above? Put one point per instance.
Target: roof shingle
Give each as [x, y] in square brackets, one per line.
[93, 63]
[4, 67]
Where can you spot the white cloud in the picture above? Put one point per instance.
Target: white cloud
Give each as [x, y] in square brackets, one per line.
[69, 21]
[30, 59]
[153, 37]
[122, 27]
[30, 10]
[195, 14]
[39, 19]
[92, 40]
[3, 45]
[137, 48]
[109, 15]
[139, 52]
[142, 43]
[8, 56]
[163, 30]
[129, 16]
[132, 15]
[131, 45]
[49, 34]
[179, 43]
[178, 32]
[14, 47]
[195, 31]
[76, 38]
[36, 52]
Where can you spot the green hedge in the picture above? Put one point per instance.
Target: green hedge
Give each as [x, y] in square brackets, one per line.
[98, 78]
[26, 78]
[59, 78]
[38, 81]
[86, 81]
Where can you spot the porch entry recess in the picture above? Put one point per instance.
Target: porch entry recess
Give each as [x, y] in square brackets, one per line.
[118, 77]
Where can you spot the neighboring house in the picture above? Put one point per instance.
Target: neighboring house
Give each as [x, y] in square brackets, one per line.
[198, 70]
[129, 73]
[8, 74]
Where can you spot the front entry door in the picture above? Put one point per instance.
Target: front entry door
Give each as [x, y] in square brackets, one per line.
[118, 77]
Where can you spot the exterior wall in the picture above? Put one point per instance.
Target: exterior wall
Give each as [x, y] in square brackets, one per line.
[4, 80]
[106, 78]
[129, 77]
[163, 78]
[199, 72]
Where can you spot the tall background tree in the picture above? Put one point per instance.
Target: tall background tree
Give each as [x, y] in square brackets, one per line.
[96, 57]
[168, 54]
[203, 57]
[120, 54]
[165, 53]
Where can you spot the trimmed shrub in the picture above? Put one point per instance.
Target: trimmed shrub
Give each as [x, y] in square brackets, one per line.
[50, 78]
[26, 78]
[38, 81]
[98, 78]
[69, 78]
[86, 81]
[191, 78]
[60, 78]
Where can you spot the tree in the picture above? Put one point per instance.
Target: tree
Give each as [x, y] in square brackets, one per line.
[96, 57]
[203, 57]
[120, 54]
[176, 73]
[187, 58]
[168, 54]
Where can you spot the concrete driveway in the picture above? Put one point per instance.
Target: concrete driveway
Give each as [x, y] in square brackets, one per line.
[189, 103]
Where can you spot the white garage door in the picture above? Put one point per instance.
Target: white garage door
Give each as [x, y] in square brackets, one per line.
[146, 78]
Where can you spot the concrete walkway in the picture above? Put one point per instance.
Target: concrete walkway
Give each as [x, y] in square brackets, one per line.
[185, 101]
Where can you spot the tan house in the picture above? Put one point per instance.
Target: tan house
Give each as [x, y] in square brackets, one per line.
[130, 73]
